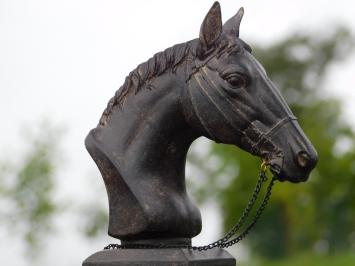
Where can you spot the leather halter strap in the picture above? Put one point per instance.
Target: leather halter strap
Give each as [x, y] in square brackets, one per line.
[265, 136]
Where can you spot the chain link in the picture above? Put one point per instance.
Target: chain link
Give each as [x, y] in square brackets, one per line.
[225, 241]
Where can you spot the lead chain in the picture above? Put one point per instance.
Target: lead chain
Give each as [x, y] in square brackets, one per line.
[255, 219]
[225, 241]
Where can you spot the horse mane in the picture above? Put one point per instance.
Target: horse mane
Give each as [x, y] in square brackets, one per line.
[139, 77]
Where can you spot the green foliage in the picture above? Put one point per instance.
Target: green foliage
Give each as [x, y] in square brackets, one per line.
[27, 189]
[318, 214]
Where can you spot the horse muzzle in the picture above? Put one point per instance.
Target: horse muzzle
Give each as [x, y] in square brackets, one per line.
[292, 156]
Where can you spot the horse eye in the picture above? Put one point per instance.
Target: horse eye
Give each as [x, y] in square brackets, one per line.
[236, 80]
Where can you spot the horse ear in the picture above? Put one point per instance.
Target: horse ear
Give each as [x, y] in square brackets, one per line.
[231, 27]
[211, 28]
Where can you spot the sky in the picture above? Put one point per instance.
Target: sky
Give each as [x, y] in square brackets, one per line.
[63, 60]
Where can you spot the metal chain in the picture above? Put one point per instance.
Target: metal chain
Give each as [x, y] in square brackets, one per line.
[225, 241]
[255, 219]
[244, 216]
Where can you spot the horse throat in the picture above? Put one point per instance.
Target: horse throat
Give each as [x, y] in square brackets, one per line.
[141, 154]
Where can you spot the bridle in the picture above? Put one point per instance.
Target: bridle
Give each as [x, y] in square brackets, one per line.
[255, 145]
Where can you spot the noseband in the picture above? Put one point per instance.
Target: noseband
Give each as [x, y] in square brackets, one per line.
[264, 137]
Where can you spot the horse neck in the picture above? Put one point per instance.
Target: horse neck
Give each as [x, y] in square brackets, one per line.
[149, 134]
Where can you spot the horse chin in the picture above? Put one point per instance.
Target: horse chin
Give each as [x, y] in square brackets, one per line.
[282, 170]
[275, 162]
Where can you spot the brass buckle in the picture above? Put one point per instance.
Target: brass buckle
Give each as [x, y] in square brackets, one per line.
[264, 166]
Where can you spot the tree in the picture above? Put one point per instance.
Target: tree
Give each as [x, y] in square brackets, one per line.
[317, 214]
[27, 188]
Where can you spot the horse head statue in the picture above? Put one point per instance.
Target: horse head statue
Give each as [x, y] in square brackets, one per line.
[211, 86]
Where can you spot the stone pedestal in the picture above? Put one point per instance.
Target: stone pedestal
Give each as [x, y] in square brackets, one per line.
[160, 257]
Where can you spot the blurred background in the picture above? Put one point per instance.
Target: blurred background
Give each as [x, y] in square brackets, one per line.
[60, 63]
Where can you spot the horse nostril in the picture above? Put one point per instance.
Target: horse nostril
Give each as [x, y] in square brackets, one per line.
[303, 159]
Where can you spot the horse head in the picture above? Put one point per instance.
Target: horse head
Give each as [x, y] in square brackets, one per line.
[211, 86]
[231, 100]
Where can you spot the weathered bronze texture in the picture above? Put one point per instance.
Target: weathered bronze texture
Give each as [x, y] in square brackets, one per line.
[211, 86]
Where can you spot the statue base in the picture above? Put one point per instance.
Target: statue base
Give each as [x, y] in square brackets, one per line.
[160, 257]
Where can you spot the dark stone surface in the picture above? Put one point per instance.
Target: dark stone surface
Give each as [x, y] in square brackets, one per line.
[160, 257]
[211, 86]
